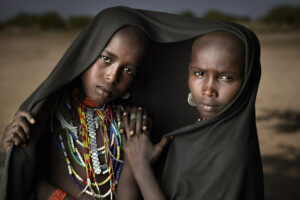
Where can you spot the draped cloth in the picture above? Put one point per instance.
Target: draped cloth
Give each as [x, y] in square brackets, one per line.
[215, 159]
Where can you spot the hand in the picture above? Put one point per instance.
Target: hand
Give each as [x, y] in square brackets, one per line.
[138, 148]
[139, 120]
[18, 131]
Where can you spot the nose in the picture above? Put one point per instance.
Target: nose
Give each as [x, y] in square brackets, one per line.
[209, 88]
[111, 74]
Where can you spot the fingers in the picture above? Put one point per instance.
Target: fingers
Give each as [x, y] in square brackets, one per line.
[21, 119]
[18, 132]
[119, 119]
[145, 121]
[18, 135]
[124, 128]
[124, 139]
[139, 114]
[26, 115]
[163, 142]
[125, 124]
[133, 120]
[17, 140]
[137, 121]
[22, 123]
[159, 146]
[13, 135]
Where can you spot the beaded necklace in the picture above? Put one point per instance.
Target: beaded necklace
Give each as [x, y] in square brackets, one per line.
[90, 119]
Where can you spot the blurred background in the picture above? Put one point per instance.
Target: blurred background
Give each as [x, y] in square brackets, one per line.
[34, 34]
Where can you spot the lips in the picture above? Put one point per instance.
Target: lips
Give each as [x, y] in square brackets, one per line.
[209, 106]
[104, 91]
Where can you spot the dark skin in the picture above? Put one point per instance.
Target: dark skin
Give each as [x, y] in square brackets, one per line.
[216, 76]
[139, 150]
[18, 131]
[141, 154]
[106, 80]
[215, 71]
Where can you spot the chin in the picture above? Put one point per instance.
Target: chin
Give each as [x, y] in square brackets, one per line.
[206, 115]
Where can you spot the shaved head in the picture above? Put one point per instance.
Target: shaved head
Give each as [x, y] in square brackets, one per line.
[221, 40]
[216, 71]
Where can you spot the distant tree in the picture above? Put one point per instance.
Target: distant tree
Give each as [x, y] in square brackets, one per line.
[51, 20]
[78, 22]
[2, 26]
[220, 16]
[22, 20]
[187, 13]
[284, 14]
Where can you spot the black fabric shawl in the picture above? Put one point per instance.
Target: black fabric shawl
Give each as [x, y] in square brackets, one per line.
[216, 159]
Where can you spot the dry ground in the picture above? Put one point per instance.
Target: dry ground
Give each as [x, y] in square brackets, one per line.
[27, 58]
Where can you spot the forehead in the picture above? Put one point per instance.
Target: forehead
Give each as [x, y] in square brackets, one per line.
[129, 36]
[218, 49]
[127, 43]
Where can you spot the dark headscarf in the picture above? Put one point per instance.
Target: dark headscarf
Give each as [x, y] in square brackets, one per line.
[215, 159]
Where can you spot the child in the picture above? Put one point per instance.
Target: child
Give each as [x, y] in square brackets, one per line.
[82, 136]
[157, 92]
[221, 160]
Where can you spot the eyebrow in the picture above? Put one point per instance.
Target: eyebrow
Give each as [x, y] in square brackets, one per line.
[221, 72]
[110, 54]
[115, 57]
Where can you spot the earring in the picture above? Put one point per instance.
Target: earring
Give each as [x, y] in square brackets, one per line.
[190, 100]
[125, 96]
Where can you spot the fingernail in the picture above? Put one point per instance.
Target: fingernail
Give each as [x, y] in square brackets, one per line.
[144, 128]
[140, 108]
[131, 133]
[32, 121]
[125, 113]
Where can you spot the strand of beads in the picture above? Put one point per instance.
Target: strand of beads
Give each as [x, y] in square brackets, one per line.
[93, 142]
[90, 121]
[114, 136]
[87, 149]
[74, 175]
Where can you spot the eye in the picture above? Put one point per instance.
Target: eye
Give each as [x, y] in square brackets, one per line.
[199, 73]
[226, 78]
[106, 59]
[129, 70]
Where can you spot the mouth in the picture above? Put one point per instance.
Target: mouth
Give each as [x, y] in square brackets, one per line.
[104, 91]
[209, 106]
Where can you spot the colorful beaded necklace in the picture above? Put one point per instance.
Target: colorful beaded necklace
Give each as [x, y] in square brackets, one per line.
[90, 119]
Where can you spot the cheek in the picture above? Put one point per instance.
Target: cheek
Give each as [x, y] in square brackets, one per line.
[230, 93]
[194, 86]
[125, 82]
[85, 80]
[89, 77]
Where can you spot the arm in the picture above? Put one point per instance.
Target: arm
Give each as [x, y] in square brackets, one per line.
[44, 190]
[141, 154]
[147, 182]
[127, 188]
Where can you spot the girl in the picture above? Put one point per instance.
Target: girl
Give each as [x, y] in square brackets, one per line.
[160, 87]
[218, 157]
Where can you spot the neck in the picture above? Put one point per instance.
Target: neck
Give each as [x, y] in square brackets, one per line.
[83, 99]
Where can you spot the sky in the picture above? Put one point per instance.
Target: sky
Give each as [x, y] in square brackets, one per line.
[252, 8]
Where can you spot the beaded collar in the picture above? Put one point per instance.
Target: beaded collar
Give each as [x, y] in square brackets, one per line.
[81, 98]
[87, 117]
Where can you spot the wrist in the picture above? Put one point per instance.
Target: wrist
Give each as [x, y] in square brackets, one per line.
[141, 168]
[59, 195]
